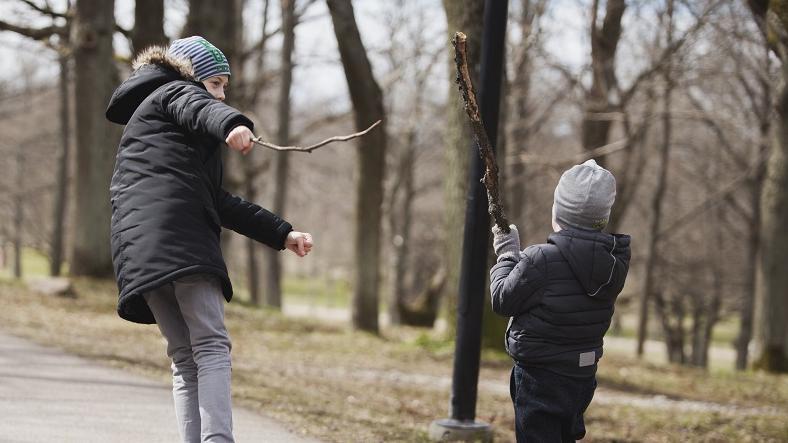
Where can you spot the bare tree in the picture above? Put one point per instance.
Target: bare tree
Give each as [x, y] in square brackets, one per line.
[95, 79]
[273, 265]
[759, 100]
[221, 24]
[466, 16]
[148, 24]
[19, 209]
[650, 289]
[57, 37]
[772, 305]
[604, 44]
[252, 168]
[61, 193]
[367, 101]
[523, 107]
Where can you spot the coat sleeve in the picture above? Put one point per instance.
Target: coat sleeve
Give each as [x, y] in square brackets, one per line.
[195, 110]
[515, 286]
[252, 220]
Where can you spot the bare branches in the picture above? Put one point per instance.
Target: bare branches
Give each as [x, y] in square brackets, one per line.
[609, 148]
[46, 10]
[34, 33]
[667, 54]
[490, 178]
[310, 148]
[722, 194]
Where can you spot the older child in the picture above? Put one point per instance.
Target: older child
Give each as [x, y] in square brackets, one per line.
[168, 208]
[560, 298]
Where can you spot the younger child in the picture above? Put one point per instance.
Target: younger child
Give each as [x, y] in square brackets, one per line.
[560, 298]
[168, 208]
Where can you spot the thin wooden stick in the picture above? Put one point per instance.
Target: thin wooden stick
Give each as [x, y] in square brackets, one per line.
[490, 179]
[310, 148]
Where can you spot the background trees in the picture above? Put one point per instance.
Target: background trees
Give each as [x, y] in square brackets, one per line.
[681, 100]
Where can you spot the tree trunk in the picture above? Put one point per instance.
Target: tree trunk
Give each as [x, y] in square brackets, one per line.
[367, 101]
[649, 288]
[747, 311]
[466, 16]
[19, 208]
[253, 281]
[401, 220]
[520, 93]
[250, 168]
[221, 23]
[148, 25]
[772, 280]
[273, 266]
[61, 188]
[96, 78]
[604, 43]
[772, 292]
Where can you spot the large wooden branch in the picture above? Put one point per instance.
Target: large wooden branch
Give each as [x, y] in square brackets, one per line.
[490, 179]
[310, 148]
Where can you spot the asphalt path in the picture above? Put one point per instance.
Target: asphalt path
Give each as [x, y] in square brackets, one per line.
[47, 395]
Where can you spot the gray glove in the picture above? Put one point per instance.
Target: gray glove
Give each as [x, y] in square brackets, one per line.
[506, 245]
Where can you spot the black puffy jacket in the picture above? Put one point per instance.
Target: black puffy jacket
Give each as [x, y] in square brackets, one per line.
[168, 205]
[560, 296]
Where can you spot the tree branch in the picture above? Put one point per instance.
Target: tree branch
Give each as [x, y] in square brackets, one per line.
[46, 10]
[667, 54]
[34, 33]
[490, 179]
[531, 159]
[309, 149]
[713, 200]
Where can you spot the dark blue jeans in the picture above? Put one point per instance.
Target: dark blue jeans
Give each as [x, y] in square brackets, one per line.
[549, 407]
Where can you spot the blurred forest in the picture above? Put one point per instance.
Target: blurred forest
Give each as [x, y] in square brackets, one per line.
[684, 101]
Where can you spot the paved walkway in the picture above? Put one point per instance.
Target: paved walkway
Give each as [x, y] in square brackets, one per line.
[47, 395]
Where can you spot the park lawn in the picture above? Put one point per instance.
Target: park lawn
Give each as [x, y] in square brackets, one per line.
[326, 381]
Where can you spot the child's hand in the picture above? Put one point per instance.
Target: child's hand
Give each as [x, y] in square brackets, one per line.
[240, 139]
[299, 242]
[506, 245]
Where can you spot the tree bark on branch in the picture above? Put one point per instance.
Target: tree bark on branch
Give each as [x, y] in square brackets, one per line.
[490, 179]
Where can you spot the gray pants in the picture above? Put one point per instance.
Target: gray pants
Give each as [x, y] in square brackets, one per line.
[190, 316]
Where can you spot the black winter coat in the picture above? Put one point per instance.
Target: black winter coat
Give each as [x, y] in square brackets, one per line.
[560, 296]
[168, 205]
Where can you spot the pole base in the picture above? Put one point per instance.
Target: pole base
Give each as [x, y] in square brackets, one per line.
[449, 429]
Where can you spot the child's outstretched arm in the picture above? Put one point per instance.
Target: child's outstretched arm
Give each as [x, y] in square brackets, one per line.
[515, 280]
[197, 111]
[252, 220]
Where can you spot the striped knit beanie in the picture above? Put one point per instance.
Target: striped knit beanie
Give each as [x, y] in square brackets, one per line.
[206, 59]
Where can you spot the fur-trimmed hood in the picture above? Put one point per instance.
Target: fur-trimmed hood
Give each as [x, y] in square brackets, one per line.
[160, 56]
[153, 67]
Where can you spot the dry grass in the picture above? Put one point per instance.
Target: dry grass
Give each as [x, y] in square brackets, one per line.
[338, 385]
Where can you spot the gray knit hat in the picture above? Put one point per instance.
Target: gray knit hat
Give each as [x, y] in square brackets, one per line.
[206, 59]
[584, 196]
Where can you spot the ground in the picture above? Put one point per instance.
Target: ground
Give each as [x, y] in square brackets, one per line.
[323, 380]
